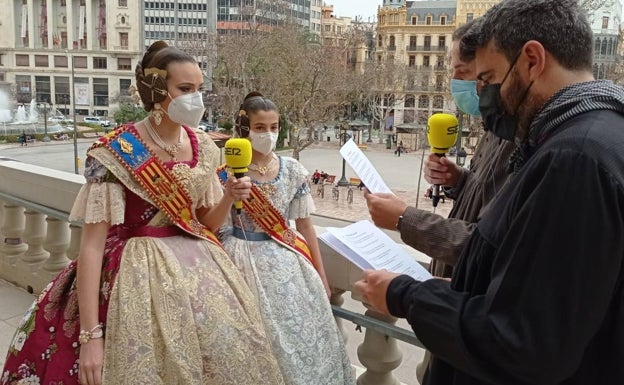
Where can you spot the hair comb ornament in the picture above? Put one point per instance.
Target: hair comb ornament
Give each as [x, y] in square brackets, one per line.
[156, 85]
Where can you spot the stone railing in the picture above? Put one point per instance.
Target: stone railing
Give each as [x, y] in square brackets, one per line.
[39, 241]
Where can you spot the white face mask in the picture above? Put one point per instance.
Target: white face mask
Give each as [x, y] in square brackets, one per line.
[263, 142]
[186, 109]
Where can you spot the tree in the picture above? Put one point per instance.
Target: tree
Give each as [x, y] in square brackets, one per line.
[309, 82]
[129, 112]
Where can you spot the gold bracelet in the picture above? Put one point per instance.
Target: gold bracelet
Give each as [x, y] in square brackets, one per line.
[97, 332]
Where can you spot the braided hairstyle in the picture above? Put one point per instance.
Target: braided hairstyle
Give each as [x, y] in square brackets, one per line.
[151, 72]
[253, 102]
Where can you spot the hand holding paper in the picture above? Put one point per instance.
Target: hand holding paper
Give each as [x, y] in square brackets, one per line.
[370, 248]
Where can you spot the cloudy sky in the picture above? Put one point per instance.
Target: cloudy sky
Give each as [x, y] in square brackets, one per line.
[364, 8]
[352, 8]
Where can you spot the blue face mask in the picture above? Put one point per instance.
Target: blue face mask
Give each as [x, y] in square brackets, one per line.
[465, 95]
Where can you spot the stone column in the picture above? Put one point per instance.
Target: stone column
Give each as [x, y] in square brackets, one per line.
[379, 354]
[74, 243]
[12, 243]
[337, 300]
[57, 243]
[34, 235]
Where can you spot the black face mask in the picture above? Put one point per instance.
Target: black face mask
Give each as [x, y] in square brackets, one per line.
[495, 117]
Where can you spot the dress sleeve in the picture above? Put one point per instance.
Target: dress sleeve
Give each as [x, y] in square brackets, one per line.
[101, 199]
[212, 191]
[302, 205]
[550, 286]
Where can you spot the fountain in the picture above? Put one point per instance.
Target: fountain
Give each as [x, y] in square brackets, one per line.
[25, 119]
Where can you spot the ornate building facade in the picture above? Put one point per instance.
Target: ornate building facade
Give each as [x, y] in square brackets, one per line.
[414, 38]
[45, 41]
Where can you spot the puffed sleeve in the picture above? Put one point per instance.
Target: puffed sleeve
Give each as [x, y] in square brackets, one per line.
[302, 205]
[101, 199]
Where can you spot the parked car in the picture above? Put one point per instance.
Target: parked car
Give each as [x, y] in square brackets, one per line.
[97, 120]
[205, 126]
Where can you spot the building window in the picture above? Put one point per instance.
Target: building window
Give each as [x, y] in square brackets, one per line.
[61, 96]
[379, 41]
[469, 17]
[412, 60]
[428, 20]
[124, 85]
[100, 92]
[99, 63]
[80, 62]
[42, 87]
[22, 60]
[440, 62]
[2, 77]
[413, 42]
[427, 43]
[60, 61]
[414, 20]
[605, 22]
[123, 39]
[41, 60]
[442, 42]
[24, 88]
[426, 61]
[124, 64]
[442, 20]
[123, 3]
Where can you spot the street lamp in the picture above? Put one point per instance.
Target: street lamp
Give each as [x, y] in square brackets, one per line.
[342, 134]
[73, 106]
[44, 108]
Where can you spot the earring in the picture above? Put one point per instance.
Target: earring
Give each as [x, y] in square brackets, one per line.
[157, 114]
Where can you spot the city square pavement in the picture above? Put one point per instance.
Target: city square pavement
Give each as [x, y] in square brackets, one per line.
[399, 173]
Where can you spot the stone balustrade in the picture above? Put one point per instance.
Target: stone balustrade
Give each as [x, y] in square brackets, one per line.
[38, 242]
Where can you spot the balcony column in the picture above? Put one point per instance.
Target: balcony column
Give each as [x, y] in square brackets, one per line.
[379, 354]
[74, 243]
[57, 243]
[337, 300]
[34, 235]
[12, 247]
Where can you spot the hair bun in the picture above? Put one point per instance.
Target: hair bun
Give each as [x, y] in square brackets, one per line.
[253, 94]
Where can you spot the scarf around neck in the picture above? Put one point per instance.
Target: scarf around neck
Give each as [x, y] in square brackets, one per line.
[565, 104]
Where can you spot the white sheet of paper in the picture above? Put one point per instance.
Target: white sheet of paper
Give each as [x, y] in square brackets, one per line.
[370, 248]
[363, 168]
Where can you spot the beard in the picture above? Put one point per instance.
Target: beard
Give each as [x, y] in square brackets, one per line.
[522, 104]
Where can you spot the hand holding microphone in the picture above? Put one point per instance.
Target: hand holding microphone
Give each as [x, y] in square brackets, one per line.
[238, 157]
[442, 132]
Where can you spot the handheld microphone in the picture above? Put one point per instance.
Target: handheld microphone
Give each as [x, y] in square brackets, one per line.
[238, 157]
[442, 132]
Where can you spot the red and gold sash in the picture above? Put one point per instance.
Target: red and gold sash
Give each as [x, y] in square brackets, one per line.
[270, 220]
[167, 193]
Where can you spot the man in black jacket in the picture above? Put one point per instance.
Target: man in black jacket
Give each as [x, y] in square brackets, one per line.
[537, 295]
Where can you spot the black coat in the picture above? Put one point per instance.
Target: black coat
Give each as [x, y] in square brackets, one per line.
[537, 295]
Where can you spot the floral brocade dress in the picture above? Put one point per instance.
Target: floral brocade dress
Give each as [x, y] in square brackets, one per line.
[176, 310]
[296, 311]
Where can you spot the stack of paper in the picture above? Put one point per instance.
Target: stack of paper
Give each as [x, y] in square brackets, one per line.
[370, 248]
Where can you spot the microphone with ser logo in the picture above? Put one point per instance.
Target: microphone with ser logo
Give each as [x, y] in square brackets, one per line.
[442, 132]
[238, 157]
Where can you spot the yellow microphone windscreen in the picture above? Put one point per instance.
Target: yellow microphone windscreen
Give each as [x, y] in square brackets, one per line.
[238, 154]
[442, 132]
